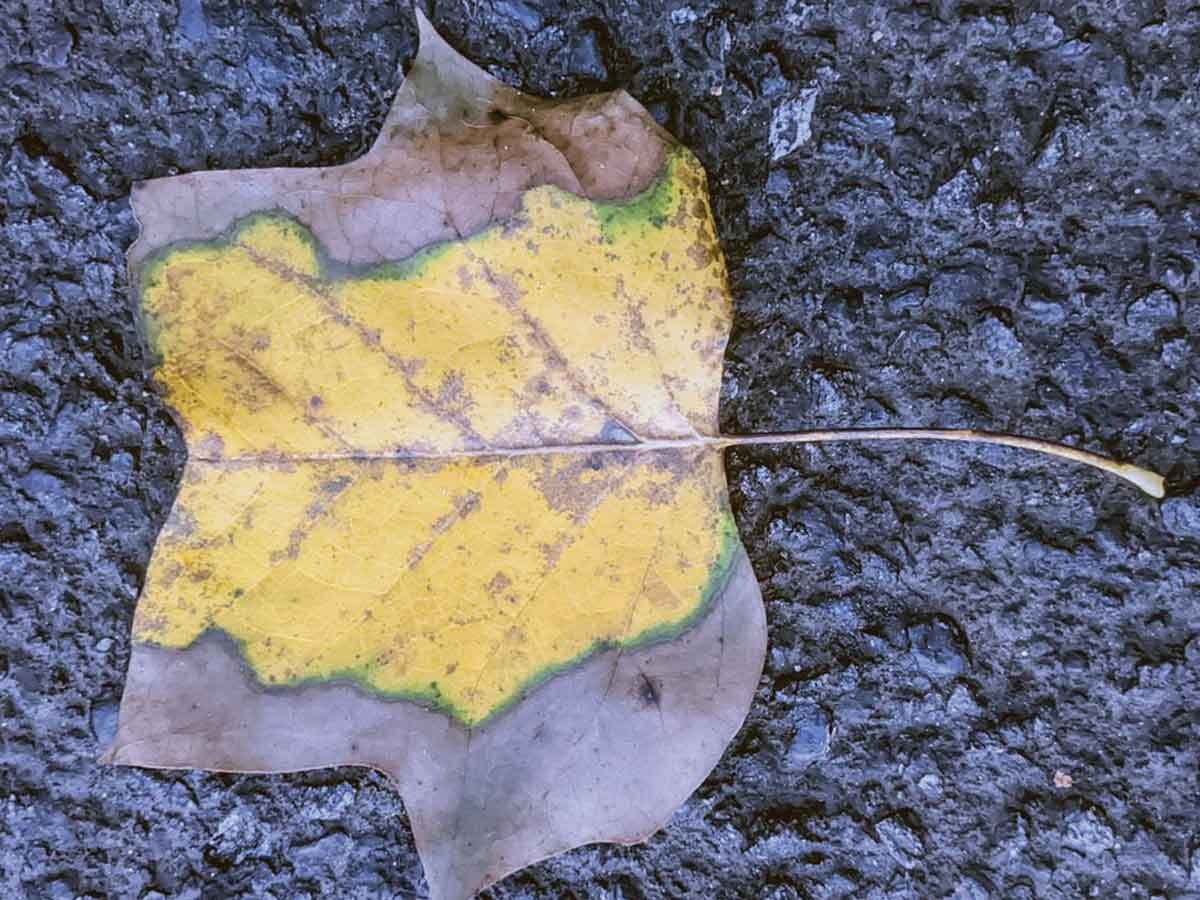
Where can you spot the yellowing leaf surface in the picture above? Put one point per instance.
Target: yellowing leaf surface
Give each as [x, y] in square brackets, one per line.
[570, 323]
[458, 582]
[388, 484]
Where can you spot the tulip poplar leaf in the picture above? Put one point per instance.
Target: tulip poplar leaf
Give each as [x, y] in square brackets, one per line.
[448, 509]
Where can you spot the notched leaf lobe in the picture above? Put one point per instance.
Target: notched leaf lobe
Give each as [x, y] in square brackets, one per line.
[448, 509]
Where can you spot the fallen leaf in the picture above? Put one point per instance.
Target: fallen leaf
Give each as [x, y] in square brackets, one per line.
[454, 505]
[446, 511]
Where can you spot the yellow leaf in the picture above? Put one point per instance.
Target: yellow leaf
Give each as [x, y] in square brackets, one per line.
[454, 503]
[353, 507]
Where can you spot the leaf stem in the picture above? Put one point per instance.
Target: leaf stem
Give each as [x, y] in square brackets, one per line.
[1150, 482]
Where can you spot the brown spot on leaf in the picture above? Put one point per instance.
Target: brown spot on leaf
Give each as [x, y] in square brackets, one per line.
[169, 574]
[649, 691]
[464, 505]
[701, 254]
[146, 623]
[552, 552]
[313, 514]
[659, 494]
[577, 487]
[498, 583]
[180, 526]
[333, 486]
[635, 324]
[452, 394]
[210, 447]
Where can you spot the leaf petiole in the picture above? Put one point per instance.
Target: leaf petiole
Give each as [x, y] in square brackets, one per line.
[1150, 482]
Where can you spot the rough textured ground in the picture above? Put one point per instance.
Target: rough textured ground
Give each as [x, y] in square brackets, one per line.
[984, 674]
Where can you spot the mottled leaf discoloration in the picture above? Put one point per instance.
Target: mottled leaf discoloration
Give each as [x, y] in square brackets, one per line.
[488, 345]
[606, 323]
[480, 584]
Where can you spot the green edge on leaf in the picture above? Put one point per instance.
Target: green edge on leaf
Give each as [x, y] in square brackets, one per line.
[626, 219]
[619, 221]
[359, 676]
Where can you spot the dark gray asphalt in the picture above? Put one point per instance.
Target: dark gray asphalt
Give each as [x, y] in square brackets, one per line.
[984, 673]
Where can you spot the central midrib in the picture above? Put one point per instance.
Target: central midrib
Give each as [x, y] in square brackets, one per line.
[1147, 481]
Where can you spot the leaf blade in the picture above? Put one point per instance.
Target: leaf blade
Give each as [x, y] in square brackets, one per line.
[258, 286]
